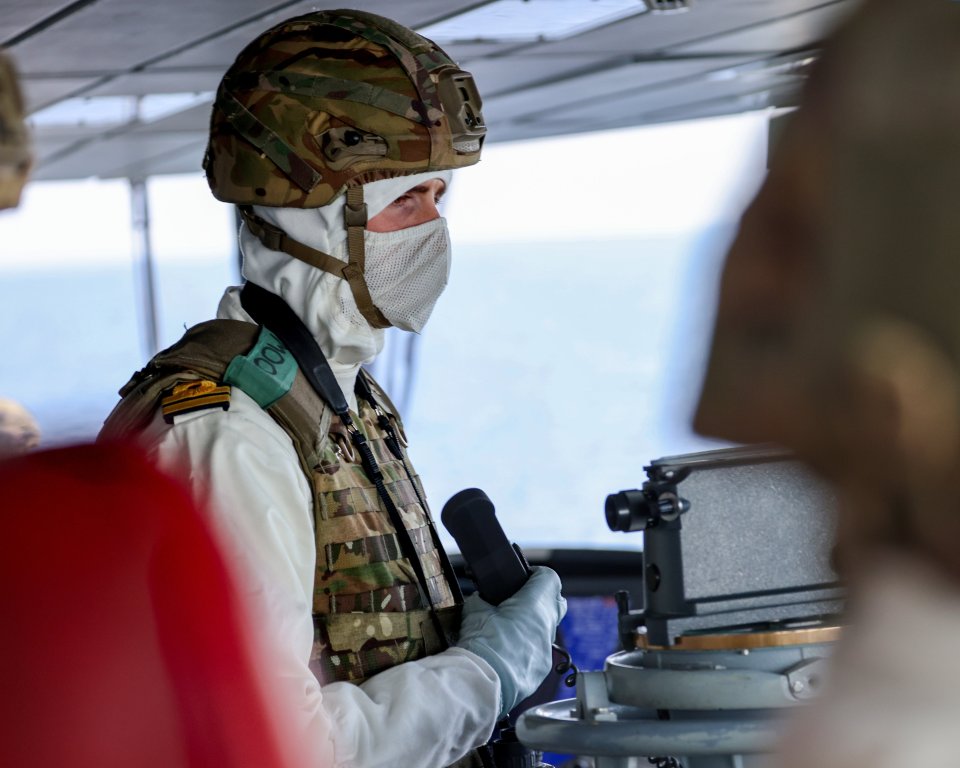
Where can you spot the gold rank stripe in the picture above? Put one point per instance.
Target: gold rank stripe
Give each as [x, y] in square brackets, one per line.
[195, 400]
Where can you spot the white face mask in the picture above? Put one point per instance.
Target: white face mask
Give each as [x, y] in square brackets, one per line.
[407, 271]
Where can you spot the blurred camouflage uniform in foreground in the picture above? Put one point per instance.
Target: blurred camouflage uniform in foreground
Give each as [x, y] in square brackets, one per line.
[19, 432]
[15, 157]
[838, 335]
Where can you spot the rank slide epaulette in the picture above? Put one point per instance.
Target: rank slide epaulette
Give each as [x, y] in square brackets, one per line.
[194, 396]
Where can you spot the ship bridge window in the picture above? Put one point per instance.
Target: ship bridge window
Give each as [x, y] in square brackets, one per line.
[565, 354]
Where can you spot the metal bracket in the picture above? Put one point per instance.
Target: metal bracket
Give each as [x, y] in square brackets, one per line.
[806, 678]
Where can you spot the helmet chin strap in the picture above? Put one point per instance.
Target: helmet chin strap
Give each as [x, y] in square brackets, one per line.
[355, 221]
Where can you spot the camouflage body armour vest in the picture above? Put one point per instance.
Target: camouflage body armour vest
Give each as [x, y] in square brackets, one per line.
[369, 613]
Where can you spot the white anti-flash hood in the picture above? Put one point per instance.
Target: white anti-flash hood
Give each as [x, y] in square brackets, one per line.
[318, 298]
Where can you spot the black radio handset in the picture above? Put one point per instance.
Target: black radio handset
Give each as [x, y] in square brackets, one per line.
[498, 567]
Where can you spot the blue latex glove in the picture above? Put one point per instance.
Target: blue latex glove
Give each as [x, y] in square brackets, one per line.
[515, 637]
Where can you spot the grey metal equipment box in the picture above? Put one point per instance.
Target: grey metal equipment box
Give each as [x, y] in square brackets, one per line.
[738, 539]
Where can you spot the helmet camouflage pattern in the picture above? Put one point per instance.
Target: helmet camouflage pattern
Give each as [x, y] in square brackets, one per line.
[336, 99]
[15, 157]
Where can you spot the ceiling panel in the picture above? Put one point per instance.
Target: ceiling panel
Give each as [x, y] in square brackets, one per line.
[117, 35]
[69, 133]
[195, 120]
[157, 81]
[119, 156]
[650, 104]
[50, 146]
[716, 106]
[796, 31]
[174, 154]
[596, 88]
[185, 160]
[221, 51]
[650, 33]
[20, 16]
[722, 55]
[40, 92]
[507, 74]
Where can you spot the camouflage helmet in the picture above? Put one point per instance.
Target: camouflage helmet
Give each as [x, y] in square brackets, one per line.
[334, 99]
[15, 157]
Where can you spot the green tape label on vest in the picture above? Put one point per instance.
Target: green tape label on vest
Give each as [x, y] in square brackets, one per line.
[266, 372]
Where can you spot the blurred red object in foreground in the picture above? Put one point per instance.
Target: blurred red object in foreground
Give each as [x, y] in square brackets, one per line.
[124, 640]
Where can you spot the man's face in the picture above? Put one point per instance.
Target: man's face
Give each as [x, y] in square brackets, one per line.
[415, 206]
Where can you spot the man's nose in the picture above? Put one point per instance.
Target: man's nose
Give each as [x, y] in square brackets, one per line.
[427, 210]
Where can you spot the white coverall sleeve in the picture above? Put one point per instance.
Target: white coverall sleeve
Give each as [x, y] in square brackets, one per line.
[243, 468]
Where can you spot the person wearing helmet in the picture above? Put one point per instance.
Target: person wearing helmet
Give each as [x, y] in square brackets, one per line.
[335, 133]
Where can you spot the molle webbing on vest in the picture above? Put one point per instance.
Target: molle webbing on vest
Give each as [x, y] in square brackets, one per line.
[368, 615]
[379, 549]
[391, 598]
[391, 638]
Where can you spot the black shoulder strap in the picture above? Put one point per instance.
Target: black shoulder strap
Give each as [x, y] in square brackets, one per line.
[395, 441]
[272, 312]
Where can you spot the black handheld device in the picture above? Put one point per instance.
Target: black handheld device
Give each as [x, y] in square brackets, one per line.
[498, 567]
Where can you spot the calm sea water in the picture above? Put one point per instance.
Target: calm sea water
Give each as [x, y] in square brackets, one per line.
[548, 375]
[72, 337]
